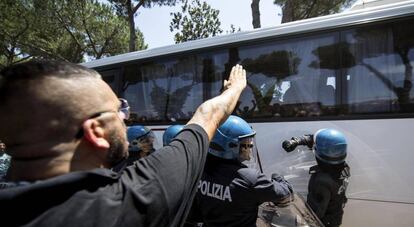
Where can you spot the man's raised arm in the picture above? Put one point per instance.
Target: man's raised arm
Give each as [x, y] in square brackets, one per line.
[213, 112]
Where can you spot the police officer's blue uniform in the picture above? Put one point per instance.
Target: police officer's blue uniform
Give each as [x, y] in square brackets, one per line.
[329, 179]
[229, 192]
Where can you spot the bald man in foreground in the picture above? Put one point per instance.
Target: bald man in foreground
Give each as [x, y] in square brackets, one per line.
[63, 127]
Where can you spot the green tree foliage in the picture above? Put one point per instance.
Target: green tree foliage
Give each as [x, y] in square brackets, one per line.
[197, 20]
[128, 8]
[65, 30]
[13, 31]
[301, 9]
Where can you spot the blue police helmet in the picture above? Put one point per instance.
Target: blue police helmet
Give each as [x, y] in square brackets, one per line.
[225, 143]
[135, 133]
[170, 133]
[330, 146]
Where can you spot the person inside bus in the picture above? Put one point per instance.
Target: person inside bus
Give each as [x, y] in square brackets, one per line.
[64, 129]
[140, 144]
[170, 133]
[246, 112]
[329, 178]
[4, 161]
[229, 192]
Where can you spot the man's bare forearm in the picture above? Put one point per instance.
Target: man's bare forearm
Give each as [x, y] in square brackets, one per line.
[213, 112]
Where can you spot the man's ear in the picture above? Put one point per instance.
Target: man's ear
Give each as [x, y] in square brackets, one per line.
[94, 132]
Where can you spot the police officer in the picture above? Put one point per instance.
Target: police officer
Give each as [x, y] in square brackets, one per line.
[170, 133]
[229, 192]
[329, 178]
[141, 144]
[141, 141]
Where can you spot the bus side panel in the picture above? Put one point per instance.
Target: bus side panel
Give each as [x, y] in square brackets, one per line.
[379, 214]
[379, 154]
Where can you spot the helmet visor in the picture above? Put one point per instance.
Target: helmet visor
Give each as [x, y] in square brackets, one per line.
[248, 152]
[144, 143]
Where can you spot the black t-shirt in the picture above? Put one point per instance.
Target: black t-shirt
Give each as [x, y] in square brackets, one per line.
[229, 193]
[155, 191]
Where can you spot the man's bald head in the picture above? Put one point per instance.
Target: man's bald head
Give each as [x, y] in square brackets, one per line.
[48, 100]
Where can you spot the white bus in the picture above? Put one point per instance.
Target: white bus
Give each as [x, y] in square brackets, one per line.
[350, 71]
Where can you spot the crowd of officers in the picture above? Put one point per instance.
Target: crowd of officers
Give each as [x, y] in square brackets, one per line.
[75, 163]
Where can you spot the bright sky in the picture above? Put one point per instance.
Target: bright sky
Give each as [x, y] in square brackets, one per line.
[154, 22]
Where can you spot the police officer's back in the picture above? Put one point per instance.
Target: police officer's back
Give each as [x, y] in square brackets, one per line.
[329, 179]
[229, 192]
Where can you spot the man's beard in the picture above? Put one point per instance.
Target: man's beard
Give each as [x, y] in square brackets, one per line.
[118, 148]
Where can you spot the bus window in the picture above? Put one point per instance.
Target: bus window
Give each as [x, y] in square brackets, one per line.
[289, 78]
[171, 89]
[111, 77]
[380, 76]
[158, 91]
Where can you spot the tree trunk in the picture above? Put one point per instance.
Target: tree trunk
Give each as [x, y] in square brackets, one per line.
[131, 22]
[255, 13]
[288, 11]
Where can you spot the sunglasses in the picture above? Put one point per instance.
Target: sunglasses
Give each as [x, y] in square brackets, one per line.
[124, 109]
[122, 112]
[249, 145]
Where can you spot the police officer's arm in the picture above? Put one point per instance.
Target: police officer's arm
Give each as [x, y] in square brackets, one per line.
[318, 199]
[213, 112]
[263, 189]
[287, 190]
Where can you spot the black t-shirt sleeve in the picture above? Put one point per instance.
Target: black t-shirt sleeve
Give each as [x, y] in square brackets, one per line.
[173, 172]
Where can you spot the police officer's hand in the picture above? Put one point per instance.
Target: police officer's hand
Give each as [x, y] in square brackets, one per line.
[284, 202]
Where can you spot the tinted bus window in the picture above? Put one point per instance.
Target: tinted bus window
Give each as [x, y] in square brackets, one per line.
[365, 70]
[112, 78]
[379, 68]
[290, 78]
[171, 89]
